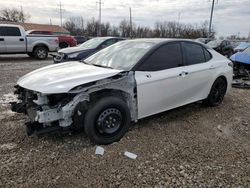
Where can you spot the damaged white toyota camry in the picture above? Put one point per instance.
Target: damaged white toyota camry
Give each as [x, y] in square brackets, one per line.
[125, 82]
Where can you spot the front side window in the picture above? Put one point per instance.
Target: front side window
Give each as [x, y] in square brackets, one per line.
[10, 31]
[194, 53]
[166, 57]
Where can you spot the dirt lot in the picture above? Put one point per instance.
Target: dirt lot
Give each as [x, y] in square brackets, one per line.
[193, 146]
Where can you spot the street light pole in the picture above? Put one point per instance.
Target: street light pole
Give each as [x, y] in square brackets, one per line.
[131, 29]
[211, 19]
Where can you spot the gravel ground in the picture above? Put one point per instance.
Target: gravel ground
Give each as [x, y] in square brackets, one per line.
[192, 146]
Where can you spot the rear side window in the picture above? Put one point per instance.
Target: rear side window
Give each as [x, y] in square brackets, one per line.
[166, 57]
[10, 31]
[208, 56]
[194, 53]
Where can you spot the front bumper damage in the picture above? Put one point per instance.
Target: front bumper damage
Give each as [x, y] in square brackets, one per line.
[56, 112]
[44, 117]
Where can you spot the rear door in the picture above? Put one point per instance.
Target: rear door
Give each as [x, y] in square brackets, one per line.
[199, 68]
[14, 41]
[161, 81]
[2, 42]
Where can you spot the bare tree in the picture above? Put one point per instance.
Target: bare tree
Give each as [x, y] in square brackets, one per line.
[92, 27]
[14, 15]
[75, 25]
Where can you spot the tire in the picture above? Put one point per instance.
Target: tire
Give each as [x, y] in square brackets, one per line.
[107, 120]
[30, 54]
[217, 92]
[63, 45]
[40, 53]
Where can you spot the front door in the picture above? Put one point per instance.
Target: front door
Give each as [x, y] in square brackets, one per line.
[13, 40]
[161, 81]
[2, 42]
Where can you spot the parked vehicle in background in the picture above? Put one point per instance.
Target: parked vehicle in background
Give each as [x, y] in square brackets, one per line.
[241, 62]
[241, 47]
[203, 40]
[224, 47]
[13, 40]
[80, 39]
[125, 82]
[64, 40]
[84, 50]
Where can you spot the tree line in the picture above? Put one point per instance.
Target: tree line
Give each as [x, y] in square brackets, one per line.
[162, 29]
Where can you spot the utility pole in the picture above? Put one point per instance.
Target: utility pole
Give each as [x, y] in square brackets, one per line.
[60, 12]
[99, 32]
[131, 27]
[179, 17]
[249, 34]
[211, 19]
[22, 15]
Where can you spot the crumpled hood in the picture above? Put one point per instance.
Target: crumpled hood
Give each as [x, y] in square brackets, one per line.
[61, 78]
[71, 50]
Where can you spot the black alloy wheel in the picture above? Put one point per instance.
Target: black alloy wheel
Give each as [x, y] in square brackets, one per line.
[217, 92]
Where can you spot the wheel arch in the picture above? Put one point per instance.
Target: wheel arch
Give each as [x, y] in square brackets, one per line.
[40, 45]
[125, 96]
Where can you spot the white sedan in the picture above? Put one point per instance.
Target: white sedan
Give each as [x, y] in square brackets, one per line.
[125, 82]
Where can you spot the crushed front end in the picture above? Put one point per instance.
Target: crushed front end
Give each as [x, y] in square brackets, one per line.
[46, 112]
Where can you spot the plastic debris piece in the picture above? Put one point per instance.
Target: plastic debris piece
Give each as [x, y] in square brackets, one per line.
[130, 155]
[99, 150]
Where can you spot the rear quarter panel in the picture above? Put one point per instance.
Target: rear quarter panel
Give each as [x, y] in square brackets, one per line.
[222, 68]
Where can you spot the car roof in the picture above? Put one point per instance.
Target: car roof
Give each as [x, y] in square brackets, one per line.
[108, 37]
[9, 25]
[159, 41]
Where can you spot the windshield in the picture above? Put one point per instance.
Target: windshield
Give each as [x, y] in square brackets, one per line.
[92, 43]
[123, 55]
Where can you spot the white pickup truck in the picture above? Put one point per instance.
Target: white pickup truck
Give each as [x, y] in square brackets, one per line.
[14, 40]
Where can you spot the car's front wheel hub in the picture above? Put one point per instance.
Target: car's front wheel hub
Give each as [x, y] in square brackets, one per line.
[109, 121]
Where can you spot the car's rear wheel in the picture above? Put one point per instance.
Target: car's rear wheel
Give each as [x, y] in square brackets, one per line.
[41, 53]
[217, 92]
[107, 120]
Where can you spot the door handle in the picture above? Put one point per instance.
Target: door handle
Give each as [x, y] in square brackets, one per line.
[1, 39]
[183, 73]
[211, 67]
[21, 39]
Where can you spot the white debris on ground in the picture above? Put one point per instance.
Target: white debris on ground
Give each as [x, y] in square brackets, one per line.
[6, 114]
[99, 150]
[7, 98]
[8, 146]
[130, 155]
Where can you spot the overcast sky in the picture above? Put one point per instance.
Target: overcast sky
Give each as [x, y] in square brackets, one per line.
[230, 16]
